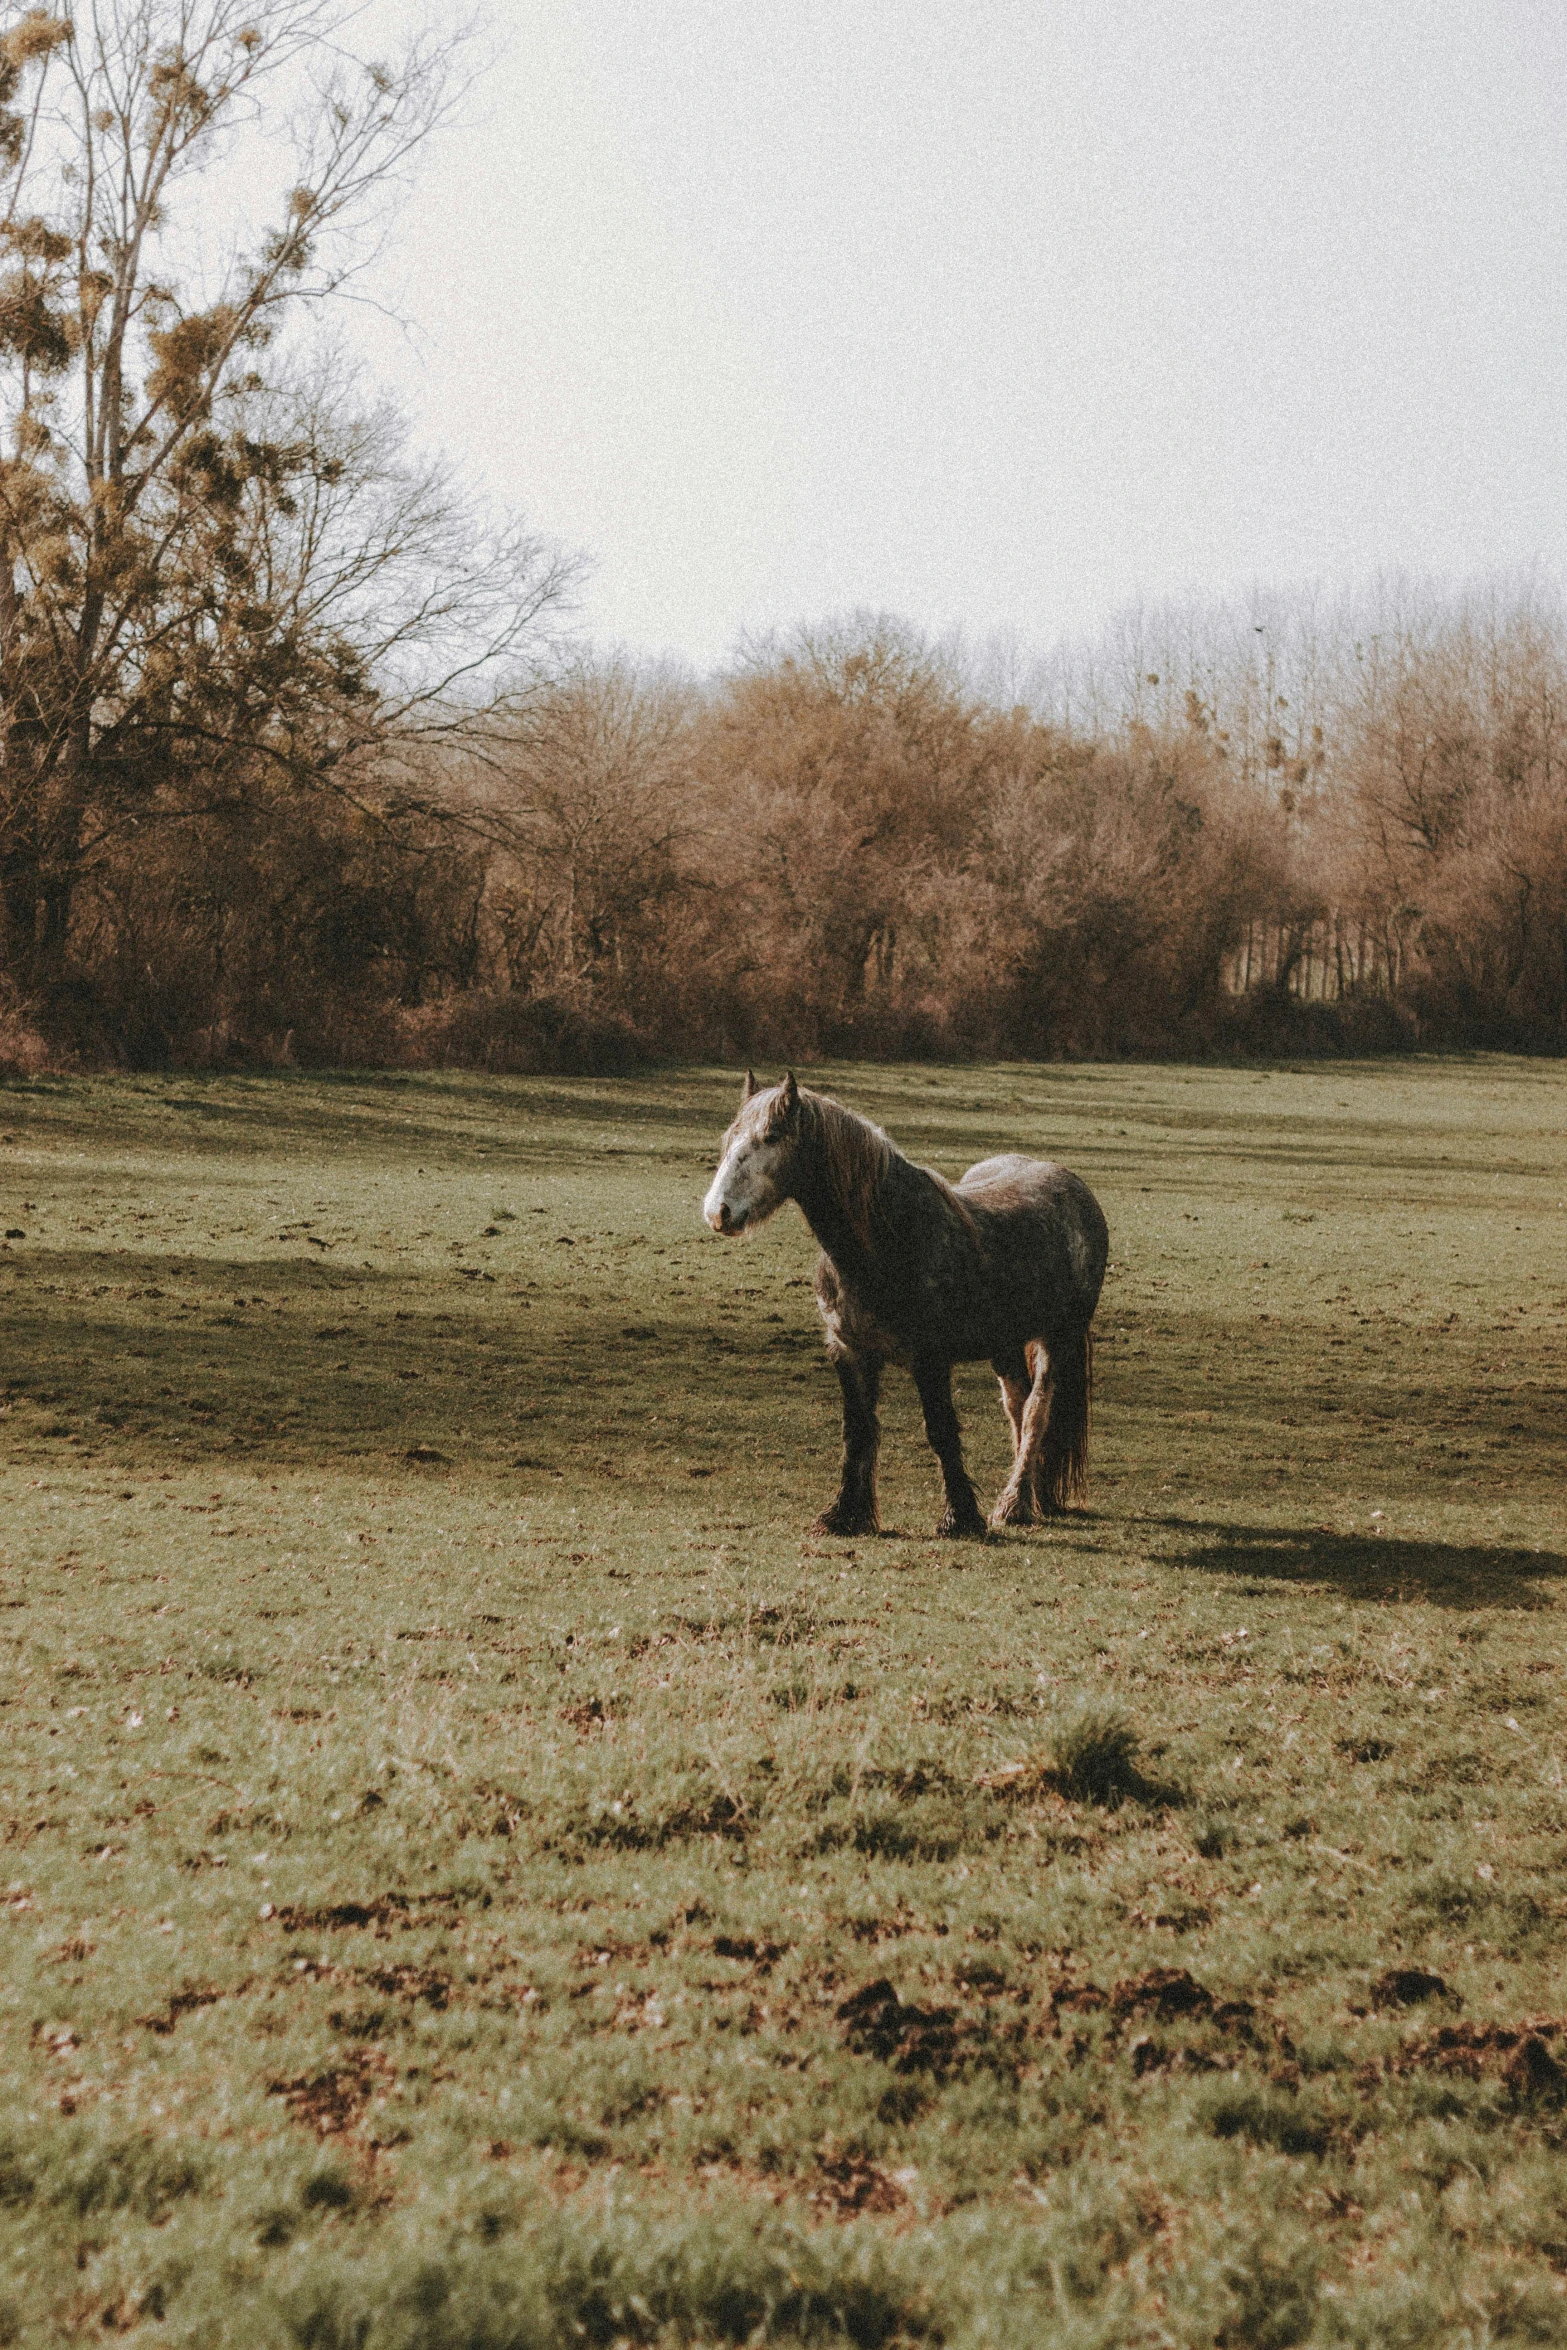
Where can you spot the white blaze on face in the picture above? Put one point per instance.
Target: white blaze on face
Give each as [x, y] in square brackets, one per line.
[745, 1189]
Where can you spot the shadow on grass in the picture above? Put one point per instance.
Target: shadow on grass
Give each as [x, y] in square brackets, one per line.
[1376, 1566]
[443, 1116]
[290, 1360]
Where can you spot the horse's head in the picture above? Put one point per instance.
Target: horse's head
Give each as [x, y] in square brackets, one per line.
[753, 1166]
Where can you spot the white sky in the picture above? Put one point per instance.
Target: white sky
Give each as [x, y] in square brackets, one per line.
[998, 313]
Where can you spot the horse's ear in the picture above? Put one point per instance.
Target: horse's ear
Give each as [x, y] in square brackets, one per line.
[750, 1086]
[789, 1094]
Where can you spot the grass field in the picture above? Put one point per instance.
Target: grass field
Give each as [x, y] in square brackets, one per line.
[478, 1872]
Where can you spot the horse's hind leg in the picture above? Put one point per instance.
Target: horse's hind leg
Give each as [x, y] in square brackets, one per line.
[1016, 1506]
[1013, 1375]
[1021, 1500]
[854, 1511]
[961, 1515]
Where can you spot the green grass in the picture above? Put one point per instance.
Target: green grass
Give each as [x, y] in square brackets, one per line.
[478, 1872]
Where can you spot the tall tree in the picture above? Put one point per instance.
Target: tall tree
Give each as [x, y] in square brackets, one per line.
[214, 573]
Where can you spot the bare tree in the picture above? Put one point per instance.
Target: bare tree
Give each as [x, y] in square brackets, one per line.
[591, 808]
[209, 565]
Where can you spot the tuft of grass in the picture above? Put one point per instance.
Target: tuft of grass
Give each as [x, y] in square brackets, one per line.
[1094, 1749]
[1090, 1753]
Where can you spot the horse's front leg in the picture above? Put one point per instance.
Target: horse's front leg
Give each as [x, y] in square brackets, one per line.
[854, 1511]
[961, 1515]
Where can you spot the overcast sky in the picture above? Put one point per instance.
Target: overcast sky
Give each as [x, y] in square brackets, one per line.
[999, 313]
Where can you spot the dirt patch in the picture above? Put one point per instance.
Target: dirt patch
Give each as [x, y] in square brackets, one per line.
[360, 2023]
[1166, 1994]
[893, 1927]
[1209, 2027]
[333, 2102]
[1532, 2071]
[746, 1946]
[1150, 2055]
[1520, 2055]
[1164, 1991]
[382, 1913]
[846, 2186]
[911, 2039]
[1363, 1750]
[591, 1713]
[1069, 1998]
[182, 2003]
[1180, 1917]
[409, 1983]
[1407, 1986]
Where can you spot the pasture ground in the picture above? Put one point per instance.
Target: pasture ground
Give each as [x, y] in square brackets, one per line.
[478, 1872]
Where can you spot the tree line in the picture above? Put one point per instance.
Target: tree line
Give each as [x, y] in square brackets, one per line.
[299, 762]
[1317, 830]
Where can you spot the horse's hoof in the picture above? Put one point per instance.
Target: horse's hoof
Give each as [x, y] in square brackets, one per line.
[1019, 1511]
[842, 1525]
[970, 1527]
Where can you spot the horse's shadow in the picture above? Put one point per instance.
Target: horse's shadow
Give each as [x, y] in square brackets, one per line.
[1374, 1566]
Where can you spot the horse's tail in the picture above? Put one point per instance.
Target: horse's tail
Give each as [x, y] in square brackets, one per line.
[1062, 1474]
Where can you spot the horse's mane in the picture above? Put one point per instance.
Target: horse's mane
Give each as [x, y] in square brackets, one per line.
[859, 1159]
[857, 1156]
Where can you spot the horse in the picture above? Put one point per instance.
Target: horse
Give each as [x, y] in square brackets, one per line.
[1005, 1266]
